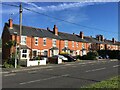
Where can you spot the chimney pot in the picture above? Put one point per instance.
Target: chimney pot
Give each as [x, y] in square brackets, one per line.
[48, 28]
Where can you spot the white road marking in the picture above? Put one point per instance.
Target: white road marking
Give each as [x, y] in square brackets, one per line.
[116, 66]
[32, 71]
[69, 64]
[43, 79]
[95, 69]
[74, 66]
[49, 69]
[9, 74]
[81, 63]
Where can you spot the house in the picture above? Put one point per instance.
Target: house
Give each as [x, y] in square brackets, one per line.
[37, 41]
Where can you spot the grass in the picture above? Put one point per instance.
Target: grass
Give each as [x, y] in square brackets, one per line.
[110, 83]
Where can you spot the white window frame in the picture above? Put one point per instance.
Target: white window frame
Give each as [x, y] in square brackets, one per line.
[72, 43]
[66, 43]
[24, 54]
[77, 44]
[54, 41]
[83, 46]
[44, 44]
[36, 41]
[23, 40]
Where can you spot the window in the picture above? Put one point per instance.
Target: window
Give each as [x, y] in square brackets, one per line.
[24, 53]
[76, 44]
[83, 46]
[44, 41]
[23, 40]
[66, 43]
[72, 43]
[54, 42]
[36, 41]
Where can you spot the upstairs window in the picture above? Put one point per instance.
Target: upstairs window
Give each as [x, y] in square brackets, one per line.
[44, 41]
[72, 43]
[36, 41]
[23, 40]
[66, 43]
[77, 44]
[54, 42]
[83, 46]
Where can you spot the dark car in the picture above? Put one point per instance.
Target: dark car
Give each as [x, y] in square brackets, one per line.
[70, 58]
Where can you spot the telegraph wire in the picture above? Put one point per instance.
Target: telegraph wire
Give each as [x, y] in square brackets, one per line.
[92, 28]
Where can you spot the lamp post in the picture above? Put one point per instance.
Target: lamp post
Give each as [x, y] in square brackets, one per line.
[15, 33]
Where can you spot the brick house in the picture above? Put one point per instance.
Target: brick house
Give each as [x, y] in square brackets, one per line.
[37, 41]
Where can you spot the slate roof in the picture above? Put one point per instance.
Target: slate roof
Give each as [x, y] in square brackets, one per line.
[71, 37]
[93, 40]
[35, 32]
[42, 33]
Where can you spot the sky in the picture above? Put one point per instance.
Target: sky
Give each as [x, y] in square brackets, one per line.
[96, 17]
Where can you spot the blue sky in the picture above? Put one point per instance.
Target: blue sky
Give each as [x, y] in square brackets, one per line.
[100, 15]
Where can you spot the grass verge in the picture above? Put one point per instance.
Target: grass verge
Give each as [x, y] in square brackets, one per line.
[110, 83]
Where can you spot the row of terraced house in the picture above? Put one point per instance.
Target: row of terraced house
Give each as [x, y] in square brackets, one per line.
[37, 41]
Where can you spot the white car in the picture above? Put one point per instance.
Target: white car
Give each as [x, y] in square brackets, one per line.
[61, 57]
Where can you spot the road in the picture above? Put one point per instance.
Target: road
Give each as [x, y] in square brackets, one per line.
[70, 75]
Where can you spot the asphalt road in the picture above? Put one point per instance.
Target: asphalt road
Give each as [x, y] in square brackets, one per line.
[70, 75]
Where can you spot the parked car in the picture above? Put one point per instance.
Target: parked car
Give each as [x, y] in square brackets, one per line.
[61, 57]
[70, 58]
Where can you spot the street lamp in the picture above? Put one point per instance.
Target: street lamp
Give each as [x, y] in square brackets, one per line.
[15, 33]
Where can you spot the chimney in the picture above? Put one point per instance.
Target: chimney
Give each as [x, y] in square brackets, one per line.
[81, 35]
[10, 23]
[48, 28]
[55, 30]
[98, 37]
[113, 40]
[102, 38]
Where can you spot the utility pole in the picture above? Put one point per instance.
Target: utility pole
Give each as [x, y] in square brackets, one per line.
[20, 11]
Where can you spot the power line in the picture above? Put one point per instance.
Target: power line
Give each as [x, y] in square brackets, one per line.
[88, 27]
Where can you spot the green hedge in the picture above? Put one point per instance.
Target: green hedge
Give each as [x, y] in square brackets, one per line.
[113, 54]
[90, 56]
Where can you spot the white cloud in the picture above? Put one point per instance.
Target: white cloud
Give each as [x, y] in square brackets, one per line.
[59, 7]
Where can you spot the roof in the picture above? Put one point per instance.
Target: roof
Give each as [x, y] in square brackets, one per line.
[24, 47]
[43, 33]
[30, 31]
[71, 37]
[38, 32]
[91, 40]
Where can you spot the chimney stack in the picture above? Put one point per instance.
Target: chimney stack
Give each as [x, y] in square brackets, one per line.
[81, 35]
[55, 30]
[98, 37]
[102, 38]
[113, 40]
[10, 23]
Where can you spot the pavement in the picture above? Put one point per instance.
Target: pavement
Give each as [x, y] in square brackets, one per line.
[66, 75]
[11, 70]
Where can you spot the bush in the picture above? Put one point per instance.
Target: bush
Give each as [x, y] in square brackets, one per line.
[90, 56]
[6, 65]
[113, 54]
[78, 57]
